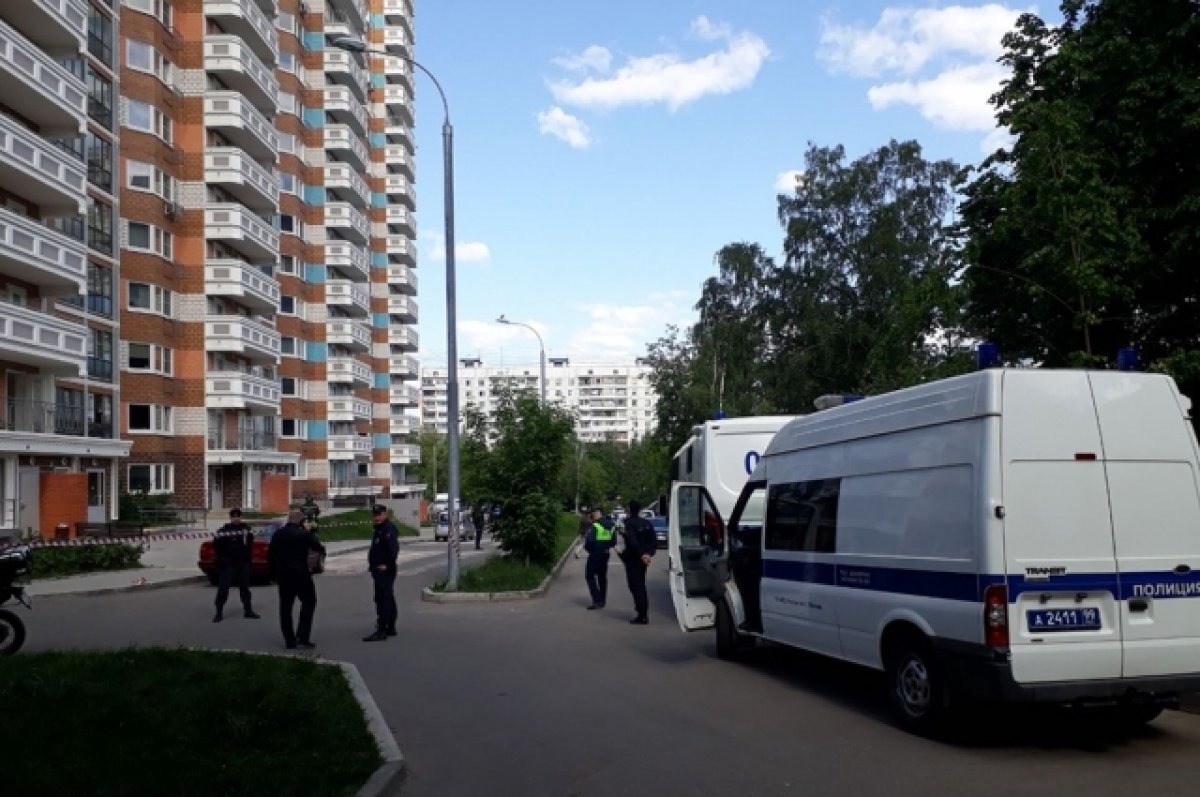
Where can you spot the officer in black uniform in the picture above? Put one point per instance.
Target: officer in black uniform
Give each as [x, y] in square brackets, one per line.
[287, 557]
[640, 545]
[381, 560]
[232, 545]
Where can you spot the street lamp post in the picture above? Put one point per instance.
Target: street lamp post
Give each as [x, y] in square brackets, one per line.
[541, 346]
[353, 45]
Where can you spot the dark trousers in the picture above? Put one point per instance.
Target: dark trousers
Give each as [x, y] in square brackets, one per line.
[635, 577]
[291, 587]
[385, 599]
[234, 573]
[596, 575]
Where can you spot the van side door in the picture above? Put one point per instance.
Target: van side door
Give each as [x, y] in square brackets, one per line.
[697, 566]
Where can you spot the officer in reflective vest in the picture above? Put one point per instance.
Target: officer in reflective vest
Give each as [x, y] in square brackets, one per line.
[598, 542]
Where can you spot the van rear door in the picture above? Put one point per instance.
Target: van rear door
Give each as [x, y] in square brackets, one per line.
[1063, 587]
[1150, 461]
[697, 568]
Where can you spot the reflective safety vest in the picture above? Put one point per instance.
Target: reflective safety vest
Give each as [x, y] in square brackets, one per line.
[602, 534]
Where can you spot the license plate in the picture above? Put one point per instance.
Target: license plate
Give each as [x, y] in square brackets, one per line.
[1063, 619]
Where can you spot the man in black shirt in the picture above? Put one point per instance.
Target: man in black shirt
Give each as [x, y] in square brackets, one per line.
[381, 560]
[640, 545]
[231, 546]
[287, 556]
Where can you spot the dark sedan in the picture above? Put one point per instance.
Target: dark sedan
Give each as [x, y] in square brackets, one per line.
[259, 571]
[660, 530]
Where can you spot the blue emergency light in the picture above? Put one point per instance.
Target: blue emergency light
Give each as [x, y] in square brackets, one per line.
[831, 400]
[1127, 360]
[987, 355]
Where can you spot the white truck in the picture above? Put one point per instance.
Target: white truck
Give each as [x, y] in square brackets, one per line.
[1007, 535]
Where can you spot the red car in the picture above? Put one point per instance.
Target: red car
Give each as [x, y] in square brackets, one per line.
[259, 571]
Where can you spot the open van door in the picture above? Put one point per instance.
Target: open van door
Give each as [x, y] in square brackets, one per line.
[697, 567]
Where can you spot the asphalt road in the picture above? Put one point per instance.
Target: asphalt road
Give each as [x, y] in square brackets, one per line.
[543, 698]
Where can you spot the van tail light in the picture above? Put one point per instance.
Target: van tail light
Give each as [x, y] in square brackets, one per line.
[995, 616]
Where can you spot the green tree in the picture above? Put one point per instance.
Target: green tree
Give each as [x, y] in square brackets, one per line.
[433, 468]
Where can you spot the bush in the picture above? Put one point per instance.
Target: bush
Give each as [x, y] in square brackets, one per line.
[49, 562]
[526, 527]
[130, 505]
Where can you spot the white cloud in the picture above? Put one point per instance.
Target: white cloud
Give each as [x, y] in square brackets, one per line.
[560, 124]
[619, 332]
[488, 336]
[941, 61]
[668, 78]
[464, 251]
[593, 59]
[789, 181]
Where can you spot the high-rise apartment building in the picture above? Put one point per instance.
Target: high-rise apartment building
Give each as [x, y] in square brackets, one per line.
[233, 278]
[613, 402]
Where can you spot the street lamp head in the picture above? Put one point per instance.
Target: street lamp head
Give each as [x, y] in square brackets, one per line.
[502, 320]
[350, 44]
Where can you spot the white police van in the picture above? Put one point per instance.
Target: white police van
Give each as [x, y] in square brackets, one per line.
[1016, 535]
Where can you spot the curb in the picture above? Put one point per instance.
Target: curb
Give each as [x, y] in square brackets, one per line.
[391, 771]
[429, 596]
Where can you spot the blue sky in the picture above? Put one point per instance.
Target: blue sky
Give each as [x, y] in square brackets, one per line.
[604, 151]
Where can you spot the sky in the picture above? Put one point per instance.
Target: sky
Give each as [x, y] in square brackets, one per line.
[604, 151]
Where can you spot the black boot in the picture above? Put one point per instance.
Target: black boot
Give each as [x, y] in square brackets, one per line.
[217, 617]
[378, 636]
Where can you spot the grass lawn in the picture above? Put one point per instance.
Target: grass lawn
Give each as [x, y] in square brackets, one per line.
[506, 574]
[355, 525]
[141, 722]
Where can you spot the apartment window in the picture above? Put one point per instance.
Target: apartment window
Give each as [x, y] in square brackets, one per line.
[286, 142]
[100, 290]
[100, 227]
[287, 61]
[145, 117]
[100, 359]
[287, 386]
[151, 418]
[100, 35]
[149, 298]
[100, 99]
[287, 264]
[148, 238]
[287, 183]
[100, 418]
[151, 478]
[285, 21]
[287, 305]
[287, 102]
[287, 345]
[159, 9]
[146, 58]
[100, 162]
[292, 427]
[150, 358]
[146, 177]
[289, 223]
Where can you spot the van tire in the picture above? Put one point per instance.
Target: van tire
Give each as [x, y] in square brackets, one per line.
[915, 687]
[730, 644]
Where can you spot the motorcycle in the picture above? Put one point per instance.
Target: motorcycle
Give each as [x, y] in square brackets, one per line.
[14, 561]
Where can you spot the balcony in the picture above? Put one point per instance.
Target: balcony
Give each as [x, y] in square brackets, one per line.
[404, 338]
[243, 335]
[404, 396]
[32, 252]
[399, 187]
[248, 284]
[347, 408]
[348, 258]
[338, 23]
[396, 40]
[236, 439]
[400, 246]
[51, 97]
[347, 184]
[404, 366]
[398, 158]
[397, 8]
[348, 220]
[399, 219]
[57, 26]
[41, 340]
[241, 229]
[242, 124]
[402, 279]
[350, 296]
[398, 70]
[240, 390]
[354, 335]
[231, 59]
[240, 175]
[342, 142]
[347, 370]
[346, 108]
[355, 10]
[40, 172]
[348, 446]
[244, 19]
[405, 454]
[405, 424]
[398, 101]
[343, 69]
[44, 417]
[403, 308]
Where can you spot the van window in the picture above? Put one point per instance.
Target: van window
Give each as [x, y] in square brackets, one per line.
[802, 516]
[928, 513]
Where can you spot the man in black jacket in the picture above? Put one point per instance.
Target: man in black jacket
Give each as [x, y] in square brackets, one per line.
[231, 546]
[640, 545]
[381, 560]
[287, 556]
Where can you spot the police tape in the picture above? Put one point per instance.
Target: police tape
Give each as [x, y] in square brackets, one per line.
[156, 537]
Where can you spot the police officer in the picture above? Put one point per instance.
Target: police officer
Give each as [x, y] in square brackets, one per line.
[232, 545]
[287, 557]
[598, 542]
[381, 560]
[640, 545]
[478, 520]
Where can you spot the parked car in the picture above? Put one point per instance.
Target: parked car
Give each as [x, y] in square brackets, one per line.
[441, 529]
[259, 570]
[660, 530]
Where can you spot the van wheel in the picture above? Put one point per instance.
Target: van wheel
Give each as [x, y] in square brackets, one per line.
[730, 643]
[915, 687]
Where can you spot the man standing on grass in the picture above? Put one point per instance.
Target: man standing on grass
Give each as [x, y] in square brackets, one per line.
[381, 560]
[287, 557]
[231, 546]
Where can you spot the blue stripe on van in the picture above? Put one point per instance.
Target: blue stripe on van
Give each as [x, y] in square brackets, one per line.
[970, 586]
